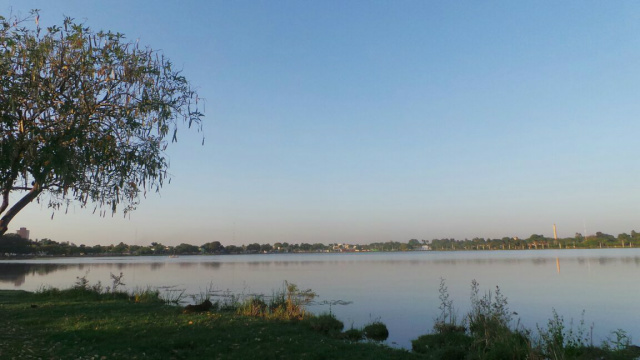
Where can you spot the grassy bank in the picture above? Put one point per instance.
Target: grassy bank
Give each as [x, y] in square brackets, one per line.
[73, 324]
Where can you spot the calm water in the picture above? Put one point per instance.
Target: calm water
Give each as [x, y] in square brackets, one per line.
[400, 289]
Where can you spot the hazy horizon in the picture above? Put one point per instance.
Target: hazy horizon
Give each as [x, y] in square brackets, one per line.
[346, 122]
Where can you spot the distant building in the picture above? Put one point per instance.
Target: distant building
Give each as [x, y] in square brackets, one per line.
[23, 232]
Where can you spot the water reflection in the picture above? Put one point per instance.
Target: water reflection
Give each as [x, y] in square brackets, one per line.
[211, 265]
[16, 271]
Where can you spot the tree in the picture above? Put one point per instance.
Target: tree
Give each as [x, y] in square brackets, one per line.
[414, 244]
[253, 248]
[120, 248]
[266, 248]
[213, 247]
[84, 116]
[14, 244]
[232, 249]
[184, 248]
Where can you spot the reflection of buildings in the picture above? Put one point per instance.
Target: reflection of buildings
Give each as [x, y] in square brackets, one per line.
[23, 232]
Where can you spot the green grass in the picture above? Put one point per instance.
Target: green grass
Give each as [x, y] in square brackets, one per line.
[80, 324]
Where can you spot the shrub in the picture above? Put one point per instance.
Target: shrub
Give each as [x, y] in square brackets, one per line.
[376, 331]
[326, 324]
[353, 334]
[254, 306]
[489, 334]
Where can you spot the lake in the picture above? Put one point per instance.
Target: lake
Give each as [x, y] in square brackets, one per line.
[400, 289]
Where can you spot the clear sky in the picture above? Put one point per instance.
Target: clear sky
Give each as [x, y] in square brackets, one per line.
[365, 121]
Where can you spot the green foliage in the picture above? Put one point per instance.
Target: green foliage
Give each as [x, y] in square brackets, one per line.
[489, 319]
[254, 306]
[562, 342]
[353, 334]
[148, 295]
[288, 304]
[491, 334]
[448, 317]
[85, 116]
[326, 324]
[376, 331]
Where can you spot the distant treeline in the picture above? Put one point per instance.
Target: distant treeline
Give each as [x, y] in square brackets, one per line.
[14, 245]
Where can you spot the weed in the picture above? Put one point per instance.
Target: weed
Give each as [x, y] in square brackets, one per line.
[558, 342]
[204, 294]
[116, 282]
[447, 321]
[297, 299]
[82, 283]
[254, 306]
[489, 318]
[621, 341]
[172, 295]
[491, 334]
[447, 312]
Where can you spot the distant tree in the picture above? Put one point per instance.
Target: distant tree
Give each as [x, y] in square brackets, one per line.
[120, 248]
[84, 116]
[255, 247]
[158, 248]
[414, 243]
[186, 249]
[624, 238]
[213, 247]
[14, 244]
[232, 249]
[305, 247]
[318, 247]
[266, 248]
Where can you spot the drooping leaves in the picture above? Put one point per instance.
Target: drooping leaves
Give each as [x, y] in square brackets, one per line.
[85, 115]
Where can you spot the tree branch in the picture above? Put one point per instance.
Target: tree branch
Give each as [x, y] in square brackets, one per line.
[30, 196]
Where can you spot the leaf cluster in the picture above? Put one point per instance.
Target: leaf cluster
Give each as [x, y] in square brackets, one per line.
[85, 115]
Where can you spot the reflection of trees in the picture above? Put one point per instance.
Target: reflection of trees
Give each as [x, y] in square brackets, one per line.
[629, 260]
[211, 265]
[13, 274]
[16, 272]
[156, 265]
[604, 260]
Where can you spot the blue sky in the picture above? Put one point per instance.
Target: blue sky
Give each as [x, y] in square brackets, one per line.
[364, 121]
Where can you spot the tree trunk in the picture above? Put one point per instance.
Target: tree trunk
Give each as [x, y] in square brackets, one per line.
[15, 209]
